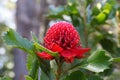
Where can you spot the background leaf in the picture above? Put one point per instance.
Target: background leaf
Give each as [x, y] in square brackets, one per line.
[94, 77]
[5, 78]
[116, 59]
[28, 78]
[77, 75]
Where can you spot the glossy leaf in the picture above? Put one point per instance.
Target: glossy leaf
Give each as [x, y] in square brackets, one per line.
[14, 39]
[101, 18]
[33, 73]
[94, 77]
[28, 78]
[105, 42]
[77, 75]
[98, 61]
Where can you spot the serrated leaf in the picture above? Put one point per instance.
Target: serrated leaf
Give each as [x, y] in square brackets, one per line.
[98, 61]
[28, 78]
[32, 66]
[34, 69]
[77, 75]
[14, 39]
[30, 59]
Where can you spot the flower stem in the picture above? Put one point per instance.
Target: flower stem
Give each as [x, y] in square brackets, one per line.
[59, 70]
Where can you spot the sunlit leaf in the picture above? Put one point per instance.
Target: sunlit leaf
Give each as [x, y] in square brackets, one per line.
[14, 39]
[107, 7]
[28, 78]
[98, 61]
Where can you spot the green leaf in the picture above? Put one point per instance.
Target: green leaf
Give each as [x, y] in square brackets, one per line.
[28, 78]
[105, 42]
[77, 75]
[14, 39]
[93, 42]
[40, 47]
[107, 7]
[30, 59]
[98, 61]
[3, 28]
[45, 67]
[34, 38]
[43, 76]
[115, 59]
[101, 17]
[112, 2]
[95, 11]
[89, 2]
[34, 69]
[5, 78]
[72, 9]
[94, 77]
[56, 12]
[108, 72]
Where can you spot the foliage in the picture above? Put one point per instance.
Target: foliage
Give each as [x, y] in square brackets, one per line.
[91, 22]
[5, 78]
[98, 61]
[95, 23]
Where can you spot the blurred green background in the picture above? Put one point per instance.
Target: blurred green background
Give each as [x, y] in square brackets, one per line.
[98, 23]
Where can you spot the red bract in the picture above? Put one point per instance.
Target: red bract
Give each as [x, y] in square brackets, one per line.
[63, 38]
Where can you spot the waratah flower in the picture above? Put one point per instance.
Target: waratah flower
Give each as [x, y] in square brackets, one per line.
[63, 38]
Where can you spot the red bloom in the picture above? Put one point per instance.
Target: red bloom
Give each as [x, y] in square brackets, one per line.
[62, 37]
[44, 55]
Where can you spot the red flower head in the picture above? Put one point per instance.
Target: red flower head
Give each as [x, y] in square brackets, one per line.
[62, 37]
